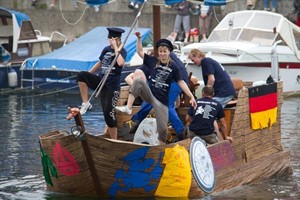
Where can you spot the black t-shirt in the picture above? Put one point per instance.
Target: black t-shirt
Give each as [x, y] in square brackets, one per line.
[107, 56]
[161, 77]
[208, 110]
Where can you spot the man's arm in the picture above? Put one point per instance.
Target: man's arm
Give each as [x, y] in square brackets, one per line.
[211, 80]
[114, 43]
[224, 130]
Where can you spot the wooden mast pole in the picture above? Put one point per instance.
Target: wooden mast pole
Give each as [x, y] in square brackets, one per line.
[156, 25]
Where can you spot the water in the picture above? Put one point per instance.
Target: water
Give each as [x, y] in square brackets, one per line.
[24, 116]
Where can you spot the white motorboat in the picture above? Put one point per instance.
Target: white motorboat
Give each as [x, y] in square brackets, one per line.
[252, 45]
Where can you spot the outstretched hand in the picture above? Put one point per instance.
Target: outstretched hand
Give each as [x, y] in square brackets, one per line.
[72, 112]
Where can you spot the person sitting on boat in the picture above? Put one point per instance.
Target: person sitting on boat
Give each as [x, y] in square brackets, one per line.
[156, 92]
[201, 120]
[214, 74]
[174, 93]
[111, 89]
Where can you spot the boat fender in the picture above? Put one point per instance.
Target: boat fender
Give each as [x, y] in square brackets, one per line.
[257, 83]
[12, 78]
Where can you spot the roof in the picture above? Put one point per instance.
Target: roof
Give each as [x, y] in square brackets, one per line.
[19, 16]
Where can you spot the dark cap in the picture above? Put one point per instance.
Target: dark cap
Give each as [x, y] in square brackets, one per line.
[165, 43]
[115, 32]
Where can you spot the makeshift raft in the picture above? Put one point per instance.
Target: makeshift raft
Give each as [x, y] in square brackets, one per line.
[96, 166]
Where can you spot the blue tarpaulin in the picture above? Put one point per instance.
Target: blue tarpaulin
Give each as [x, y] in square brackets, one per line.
[168, 2]
[84, 52]
[215, 2]
[96, 2]
[100, 2]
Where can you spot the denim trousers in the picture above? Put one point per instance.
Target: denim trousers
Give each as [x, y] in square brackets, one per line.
[274, 3]
[174, 92]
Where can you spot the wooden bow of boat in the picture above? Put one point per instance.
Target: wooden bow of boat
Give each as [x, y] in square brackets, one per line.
[119, 168]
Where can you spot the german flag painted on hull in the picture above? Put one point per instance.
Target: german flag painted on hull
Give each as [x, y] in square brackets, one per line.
[263, 105]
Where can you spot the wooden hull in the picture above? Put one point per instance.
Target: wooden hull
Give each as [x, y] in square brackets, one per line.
[97, 166]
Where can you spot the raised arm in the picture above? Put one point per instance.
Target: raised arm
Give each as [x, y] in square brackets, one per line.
[139, 45]
[117, 49]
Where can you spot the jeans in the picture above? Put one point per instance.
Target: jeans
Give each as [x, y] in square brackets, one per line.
[274, 3]
[177, 124]
[223, 100]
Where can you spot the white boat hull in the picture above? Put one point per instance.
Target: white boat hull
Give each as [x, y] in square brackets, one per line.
[290, 77]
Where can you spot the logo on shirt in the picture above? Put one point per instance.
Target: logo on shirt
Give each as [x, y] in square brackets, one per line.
[205, 111]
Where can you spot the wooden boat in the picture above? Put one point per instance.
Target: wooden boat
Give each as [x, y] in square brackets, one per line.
[82, 164]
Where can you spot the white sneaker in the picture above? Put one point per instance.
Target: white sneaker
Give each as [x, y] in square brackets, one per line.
[84, 107]
[124, 109]
[136, 6]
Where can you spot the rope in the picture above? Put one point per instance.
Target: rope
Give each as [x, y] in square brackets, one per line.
[42, 94]
[71, 23]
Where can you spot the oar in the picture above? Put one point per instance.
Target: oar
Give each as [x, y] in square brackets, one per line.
[102, 82]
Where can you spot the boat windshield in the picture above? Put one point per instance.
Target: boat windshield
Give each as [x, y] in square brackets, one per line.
[256, 27]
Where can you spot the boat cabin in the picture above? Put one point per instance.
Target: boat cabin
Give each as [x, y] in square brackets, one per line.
[19, 38]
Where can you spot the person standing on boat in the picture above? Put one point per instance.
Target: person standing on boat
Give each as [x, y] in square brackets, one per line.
[214, 74]
[201, 120]
[163, 71]
[110, 92]
[174, 93]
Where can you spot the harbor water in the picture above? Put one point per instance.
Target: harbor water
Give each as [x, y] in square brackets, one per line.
[26, 115]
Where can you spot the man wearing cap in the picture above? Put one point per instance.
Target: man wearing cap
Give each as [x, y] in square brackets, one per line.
[174, 92]
[163, 72]
[110, 92]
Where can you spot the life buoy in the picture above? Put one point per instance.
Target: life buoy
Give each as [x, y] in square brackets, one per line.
[12, 78]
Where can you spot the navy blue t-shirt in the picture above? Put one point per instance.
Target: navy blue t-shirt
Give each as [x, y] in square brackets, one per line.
[208, 110]
[223, 86]
[107, 56]
[161, 77]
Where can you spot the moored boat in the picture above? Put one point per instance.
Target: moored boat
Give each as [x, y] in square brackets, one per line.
[82, 164]
[57, 70]
[19, 41]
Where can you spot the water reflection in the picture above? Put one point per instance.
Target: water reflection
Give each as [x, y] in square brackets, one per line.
[25, 116]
